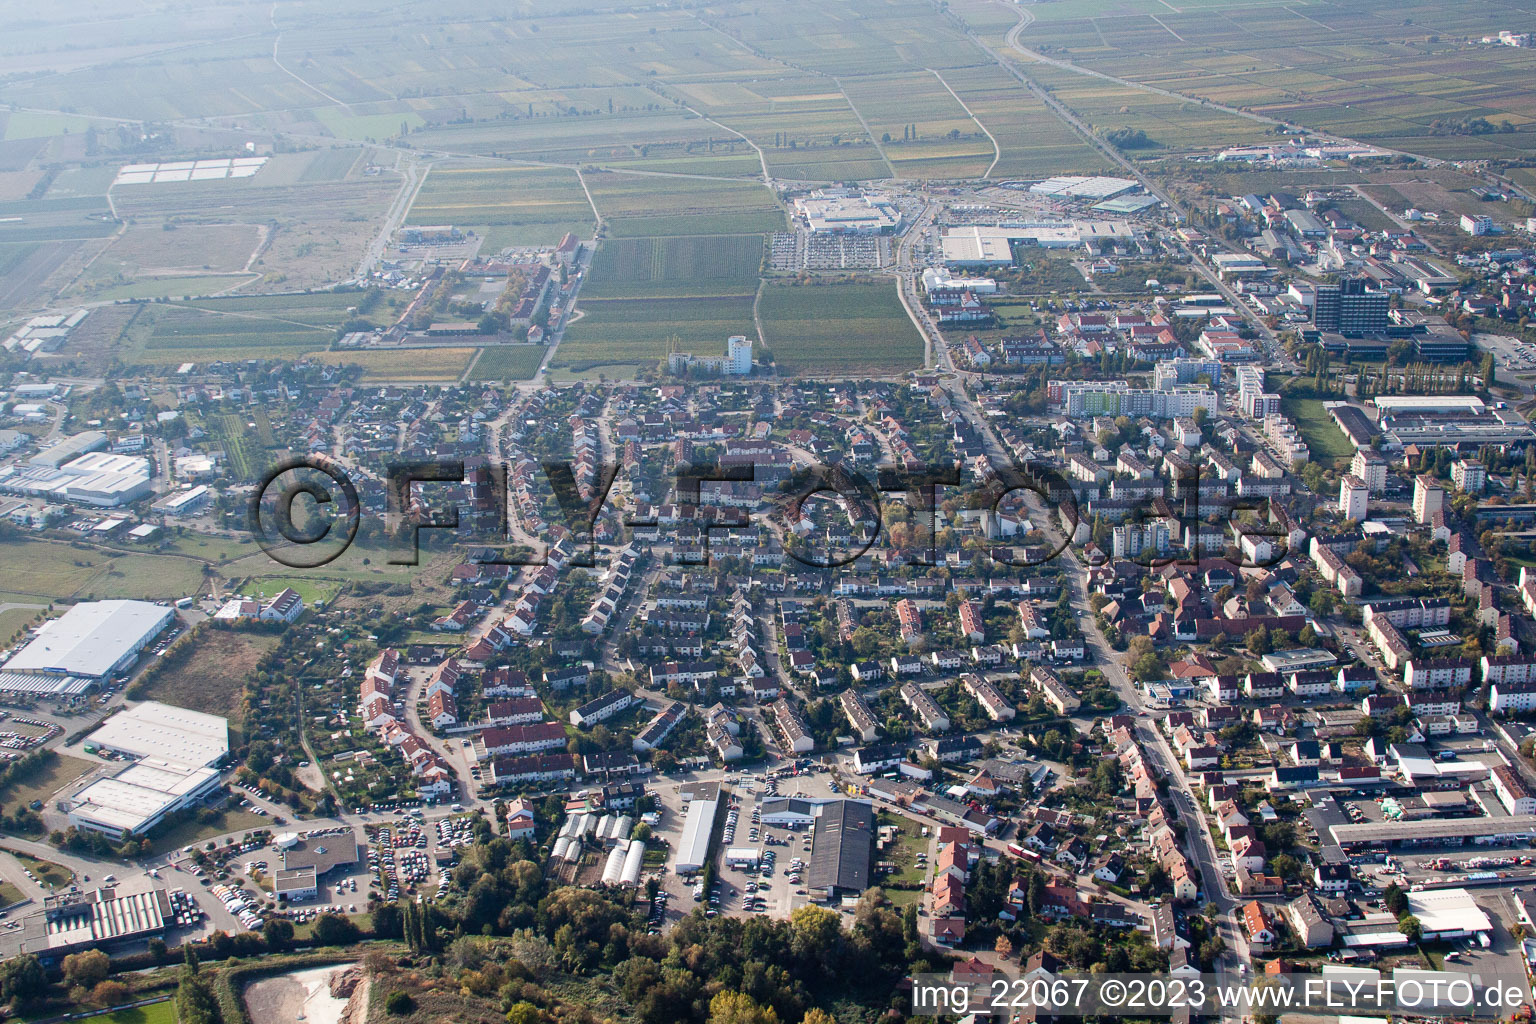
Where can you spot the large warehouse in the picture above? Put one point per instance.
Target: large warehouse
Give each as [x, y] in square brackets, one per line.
[165, 733]
[140, 796]
[86, 645]
[99, 919]
[698, 828]
[842, 841]
[175, 751]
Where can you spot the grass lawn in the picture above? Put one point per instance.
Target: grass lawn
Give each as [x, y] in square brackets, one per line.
[13, 621]
[606, 371]
[46, 570]
[903, 853]
[303, 931]
[1325, 440]
[58, 773]
[47, 872]
[311, 588]
[154, 1013]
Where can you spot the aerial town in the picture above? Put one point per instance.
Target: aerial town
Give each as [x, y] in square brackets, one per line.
[655, 543]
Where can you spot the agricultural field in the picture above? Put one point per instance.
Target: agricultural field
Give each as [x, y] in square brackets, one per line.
[1406, 77]
[1179, 126]
[633, 331]
[1035, 143]
[508, 205]
[169, 335]
[508, 363]
[948, 143]
[412, 365]
[596, 139]
[638, 206]
[26, 269]
[844, 327]
[675, 267]
[160, 287]
[644, 293]
[806, 127]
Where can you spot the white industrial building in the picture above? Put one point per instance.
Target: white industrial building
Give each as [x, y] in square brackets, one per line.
[1077, 187]
[1448, 914]
[830, 213]
[140, 796]
[97, 478]
[992, 244]
[939, 279]
[162, 732]
[87, 644]
[175, 750]
[698, 829]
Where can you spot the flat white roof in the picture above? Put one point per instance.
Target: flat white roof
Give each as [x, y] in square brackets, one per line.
[1429, 403]
[165, 733]
[140, 793]
[91, 639]
[1448, 910]
[694, 847]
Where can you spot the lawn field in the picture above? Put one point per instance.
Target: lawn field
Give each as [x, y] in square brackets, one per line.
[509, 205]
[423, 365]
[61, 771]
[367, 127]
[165, 839]
[632, 331]
[658, 268]
[154, 1013]
[1325, 441]
[508, 363]
[13, 620]
[845, 327]
[315, 309]
[311, 588]
[212, 677]
[35, 569]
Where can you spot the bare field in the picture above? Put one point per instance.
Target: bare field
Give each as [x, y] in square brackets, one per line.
[215, 247]
[211, 678]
